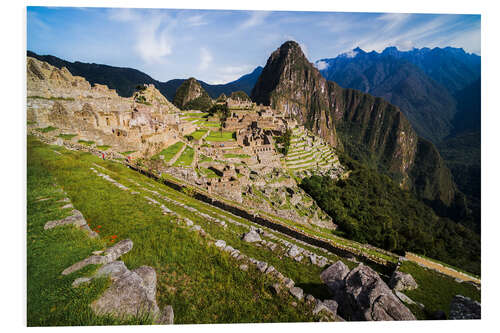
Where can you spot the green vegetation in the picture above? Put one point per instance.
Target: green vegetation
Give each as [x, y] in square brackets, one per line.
[221, 136]
[221, 111]
[184, 261]
[104, 147]
[51, 300]
[285, 141]
[236, 155]
[436, 290]
[86, 143]
[240, 95]
[66, 136]
[222, 98]
[202, 103]
[51, 98]
[186, 158]
[128, 152]
[198, 134]
[370, 207]
[171, 151]
[46, 129]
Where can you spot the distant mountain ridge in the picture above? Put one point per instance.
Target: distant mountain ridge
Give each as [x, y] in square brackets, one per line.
[421, 82]
[124, 80]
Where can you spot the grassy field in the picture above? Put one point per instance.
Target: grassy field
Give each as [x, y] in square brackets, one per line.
[198, 134]
[66, 136]
[104, 147]
[170, 151]
[435, 290]
[203, 284]
[220, 136]
[50, 298]
[46, 129]
[86, 143]
[186, 158]
[230, 155]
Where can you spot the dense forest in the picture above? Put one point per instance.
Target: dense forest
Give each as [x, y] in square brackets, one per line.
[371, 208]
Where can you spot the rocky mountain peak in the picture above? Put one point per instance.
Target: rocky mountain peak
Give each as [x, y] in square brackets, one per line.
[191, 95]
[360, 123]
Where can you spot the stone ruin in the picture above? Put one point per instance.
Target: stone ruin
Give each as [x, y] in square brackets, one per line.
[146, 122]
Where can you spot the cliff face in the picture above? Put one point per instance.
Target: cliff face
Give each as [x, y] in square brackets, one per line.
[367, 127]
[191, 95]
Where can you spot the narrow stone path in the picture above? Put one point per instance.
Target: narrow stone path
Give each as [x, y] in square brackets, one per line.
[440, 268]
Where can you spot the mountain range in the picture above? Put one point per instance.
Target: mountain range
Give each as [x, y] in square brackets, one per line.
[124, 80]
[423, 83]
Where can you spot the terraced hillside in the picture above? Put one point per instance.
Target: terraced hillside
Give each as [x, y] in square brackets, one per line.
[202, 264]
[310, 154]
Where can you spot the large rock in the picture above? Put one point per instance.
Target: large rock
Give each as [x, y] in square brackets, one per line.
[362, 295]
[251, 237]
[334, 276]
[132, 293]
[464, 308]
[402, 281]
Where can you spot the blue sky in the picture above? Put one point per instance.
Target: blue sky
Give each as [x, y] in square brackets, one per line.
[218, 46]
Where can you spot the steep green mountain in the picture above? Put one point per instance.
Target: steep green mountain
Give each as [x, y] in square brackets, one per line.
[124, 80]
[428, 105]
[366, 127]
[191, 95]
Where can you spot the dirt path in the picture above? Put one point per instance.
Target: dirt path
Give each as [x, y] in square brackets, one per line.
[440, 268]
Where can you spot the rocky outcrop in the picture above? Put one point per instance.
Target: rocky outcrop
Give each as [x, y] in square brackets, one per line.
[402, 281]
[131, 293]
[464, 308]
[191, 95]
[365, 126]
[362, 295]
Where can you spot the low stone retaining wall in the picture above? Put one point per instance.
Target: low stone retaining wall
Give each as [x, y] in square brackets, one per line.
[336, 249]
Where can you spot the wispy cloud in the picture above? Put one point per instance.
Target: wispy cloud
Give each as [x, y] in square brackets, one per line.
[196, 20]
[151, 32]
[256, 18]
[205, 59]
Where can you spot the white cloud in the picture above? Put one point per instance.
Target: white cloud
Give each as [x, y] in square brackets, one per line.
[256, 18]
[152, 40]
[205, 58]
[230, 73]
[196, 20]
[321, 65]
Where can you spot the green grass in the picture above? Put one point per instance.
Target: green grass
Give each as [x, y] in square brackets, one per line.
[67, 136]
[186, 157]
[86, 143]
[53, 98]
[198, 134]
[195, 114]
[203, 158]
[51, 300]
[128, 152]
[218, 136]
[203, 284]
[171, 150]
[436, 290]
[46, 129]
[208, 173]
[104, 147]
[230, 155]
